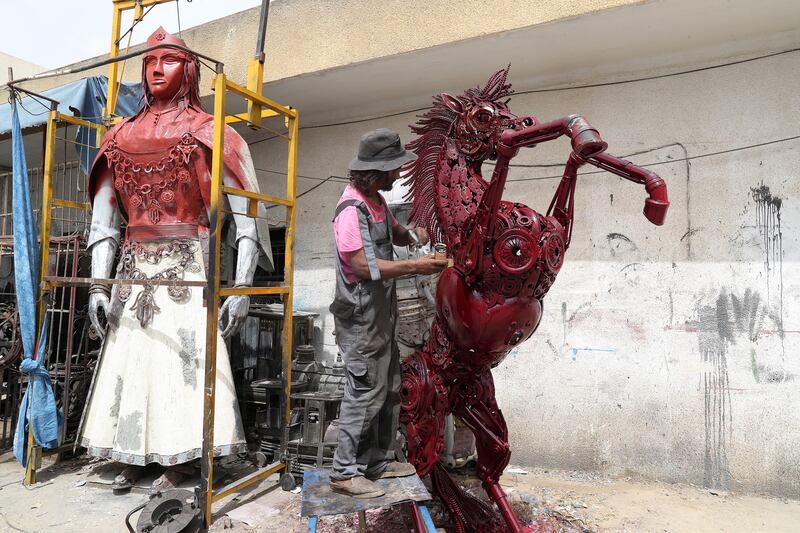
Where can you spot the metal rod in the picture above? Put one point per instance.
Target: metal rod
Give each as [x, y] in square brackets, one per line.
[267, 199]
[288, 279]
[57, 281]
[212, 302]
[253, 291]
[26, 91]
[84, 67]
[76, 122]
[248, 480]
[286, 111]
[73, 295]
[262, 30]
[244, 117]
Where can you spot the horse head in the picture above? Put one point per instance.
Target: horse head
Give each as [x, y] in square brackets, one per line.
[480, 116]
[454, 137]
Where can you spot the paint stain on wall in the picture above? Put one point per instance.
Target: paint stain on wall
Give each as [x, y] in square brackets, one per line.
[768, 222]
[722, 323]
[620, 242]
[718, 420]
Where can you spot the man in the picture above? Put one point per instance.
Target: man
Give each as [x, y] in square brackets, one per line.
[365, 316]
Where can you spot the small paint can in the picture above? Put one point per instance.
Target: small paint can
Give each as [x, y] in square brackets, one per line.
[440, 250]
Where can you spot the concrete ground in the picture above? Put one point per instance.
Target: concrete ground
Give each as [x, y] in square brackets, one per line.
[70, 497]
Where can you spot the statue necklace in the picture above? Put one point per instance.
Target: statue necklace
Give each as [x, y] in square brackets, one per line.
[157, 114]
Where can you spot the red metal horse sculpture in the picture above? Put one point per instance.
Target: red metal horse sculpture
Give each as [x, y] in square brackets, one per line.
[506, 257]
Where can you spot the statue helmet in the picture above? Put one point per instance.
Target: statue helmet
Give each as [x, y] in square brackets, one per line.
[189, 93]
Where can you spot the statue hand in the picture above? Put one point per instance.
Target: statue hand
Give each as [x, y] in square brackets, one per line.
[98, 301]
[236, 308]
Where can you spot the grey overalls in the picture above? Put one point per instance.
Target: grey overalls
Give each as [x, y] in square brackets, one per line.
[365, 316]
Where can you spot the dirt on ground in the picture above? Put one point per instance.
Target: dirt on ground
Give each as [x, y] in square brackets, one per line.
[67, 500]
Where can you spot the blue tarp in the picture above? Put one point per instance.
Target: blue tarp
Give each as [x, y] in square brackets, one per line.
[44, 419]
[84, 98]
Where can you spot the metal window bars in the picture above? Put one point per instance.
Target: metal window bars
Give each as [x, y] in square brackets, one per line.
[71, 353]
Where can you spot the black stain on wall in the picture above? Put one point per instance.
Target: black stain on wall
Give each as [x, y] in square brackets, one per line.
[616, 241]
[722, 323]
[768, 222]
[718, 420]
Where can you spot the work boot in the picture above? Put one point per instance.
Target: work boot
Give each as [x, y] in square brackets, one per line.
[398, 469]
[357, 487]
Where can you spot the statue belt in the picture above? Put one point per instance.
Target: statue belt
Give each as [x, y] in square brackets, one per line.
[164, 231]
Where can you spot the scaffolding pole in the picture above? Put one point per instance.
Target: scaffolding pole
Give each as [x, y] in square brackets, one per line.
[221, 86]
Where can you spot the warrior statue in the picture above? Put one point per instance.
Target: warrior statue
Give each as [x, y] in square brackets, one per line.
[506, 258]
[153, 175]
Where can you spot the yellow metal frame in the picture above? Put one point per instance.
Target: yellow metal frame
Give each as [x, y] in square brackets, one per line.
[264, 107]
[48, 202]
[114, 74]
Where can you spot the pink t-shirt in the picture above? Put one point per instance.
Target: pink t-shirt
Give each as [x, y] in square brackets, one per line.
[347, 231]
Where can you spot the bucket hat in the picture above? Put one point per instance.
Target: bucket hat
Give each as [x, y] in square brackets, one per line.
[381, 150]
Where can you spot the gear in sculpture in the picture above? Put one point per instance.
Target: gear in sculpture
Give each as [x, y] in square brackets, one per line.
[506, 258]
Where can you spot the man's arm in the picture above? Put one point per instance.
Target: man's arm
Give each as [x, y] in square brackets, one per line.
[393, 269]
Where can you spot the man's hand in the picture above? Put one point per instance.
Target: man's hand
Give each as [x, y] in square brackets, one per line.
[422, 235]
[98, 301]
[235, 307]
[429, 265]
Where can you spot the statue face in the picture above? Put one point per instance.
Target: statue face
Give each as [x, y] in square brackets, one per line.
[163, 71]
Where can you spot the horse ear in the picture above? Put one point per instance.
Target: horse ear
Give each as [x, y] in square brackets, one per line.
[452, 103]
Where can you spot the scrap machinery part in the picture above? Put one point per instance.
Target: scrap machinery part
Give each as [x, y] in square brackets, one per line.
[171, 511]
[505, 256]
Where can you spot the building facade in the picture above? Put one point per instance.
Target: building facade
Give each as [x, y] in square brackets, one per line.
[668, 353]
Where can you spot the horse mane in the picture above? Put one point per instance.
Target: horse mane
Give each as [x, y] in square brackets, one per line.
[433, 128]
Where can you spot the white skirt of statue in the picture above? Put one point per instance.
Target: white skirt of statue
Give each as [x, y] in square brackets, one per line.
[146, 403]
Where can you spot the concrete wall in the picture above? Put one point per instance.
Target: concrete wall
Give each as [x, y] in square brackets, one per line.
[664, 352]
[20, 66]
[325, 34]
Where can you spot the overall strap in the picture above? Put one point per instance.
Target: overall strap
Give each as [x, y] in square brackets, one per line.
[387, 214]
[366, 238]
[344, 205]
